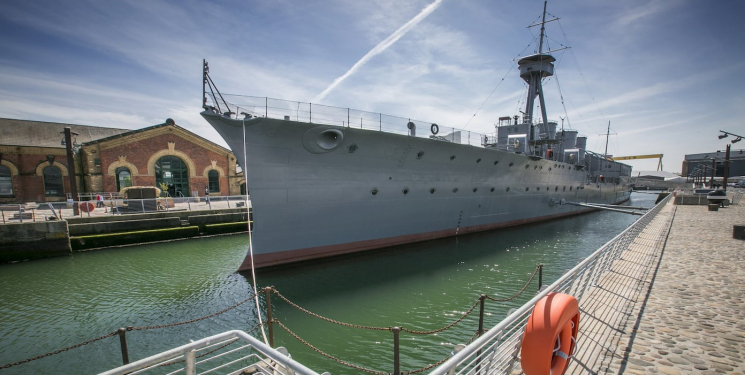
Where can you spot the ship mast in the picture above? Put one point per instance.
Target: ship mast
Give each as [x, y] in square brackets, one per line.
[532, 70]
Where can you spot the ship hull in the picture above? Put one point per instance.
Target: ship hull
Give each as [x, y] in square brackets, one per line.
[319, 190]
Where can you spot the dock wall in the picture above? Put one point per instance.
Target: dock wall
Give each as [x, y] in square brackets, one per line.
[37, 240]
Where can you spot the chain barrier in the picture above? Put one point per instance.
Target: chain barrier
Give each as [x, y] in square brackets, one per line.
[447, 326]
[275, 291]
[518, 293]
[192, 320]
[130, 328]
[329, 356]
[60, 350]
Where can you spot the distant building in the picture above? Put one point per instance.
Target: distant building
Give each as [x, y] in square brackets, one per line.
[702, 164]
[33, 161]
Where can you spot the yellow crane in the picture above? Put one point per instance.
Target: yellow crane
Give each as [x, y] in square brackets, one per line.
[652, 156]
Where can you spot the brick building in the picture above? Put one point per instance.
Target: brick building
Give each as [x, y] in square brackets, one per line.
[33, 161]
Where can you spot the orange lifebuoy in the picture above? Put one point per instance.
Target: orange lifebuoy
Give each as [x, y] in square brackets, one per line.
[550, 335]
[87, 207]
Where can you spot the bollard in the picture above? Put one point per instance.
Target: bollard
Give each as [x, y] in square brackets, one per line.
[396, 363]
[268, 291]
[123, 342]
[540, 276]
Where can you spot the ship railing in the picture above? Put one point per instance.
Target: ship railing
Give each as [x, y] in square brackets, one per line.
[113, 205]
[498, 350]
[231, 352]
[242, 105]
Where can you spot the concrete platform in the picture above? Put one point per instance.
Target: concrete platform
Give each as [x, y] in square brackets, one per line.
[674, 303]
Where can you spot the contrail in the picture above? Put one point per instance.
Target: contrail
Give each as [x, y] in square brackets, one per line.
[382, 46]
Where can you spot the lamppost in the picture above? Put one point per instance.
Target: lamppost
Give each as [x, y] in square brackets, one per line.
[69, 144]
[726, 155]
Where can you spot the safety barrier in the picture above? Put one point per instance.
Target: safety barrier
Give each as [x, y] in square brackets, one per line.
[30, 212]
[255, 106]
[497, 351]
[212, 347]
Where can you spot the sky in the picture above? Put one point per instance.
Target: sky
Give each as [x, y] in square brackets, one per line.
[666, 74]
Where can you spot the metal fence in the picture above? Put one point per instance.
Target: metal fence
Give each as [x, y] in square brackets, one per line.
[346, 117]
[497, 351]
[231, 352]
[45, 211]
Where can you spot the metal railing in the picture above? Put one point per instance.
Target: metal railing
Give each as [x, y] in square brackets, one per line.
[45, 211]
[497, 351]
[346, 117]
[229, 352]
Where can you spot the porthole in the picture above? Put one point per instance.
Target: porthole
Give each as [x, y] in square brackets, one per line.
[420, 154]
[475, 189]
[478, 160]
[555, 165]
[491, 190]
[507, 189]
[496, 162]
[455, 190]
[549, 169]
[565, 188]
[541, 167]
[452, 157]
[405, 191]
[432, 190]
[527, 166]
[537, 188]
[570, 188]
[527, 188]
[352, 148]
[535, 167]
[374, 191]
[546, 188]
[557, 189]
[511, 164]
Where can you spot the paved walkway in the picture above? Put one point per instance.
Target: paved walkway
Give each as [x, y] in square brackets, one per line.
[674, 303]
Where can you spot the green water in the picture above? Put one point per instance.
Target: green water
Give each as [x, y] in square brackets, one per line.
[50, 304]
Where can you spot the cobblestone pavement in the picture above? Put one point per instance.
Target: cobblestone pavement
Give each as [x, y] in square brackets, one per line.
[683, 314]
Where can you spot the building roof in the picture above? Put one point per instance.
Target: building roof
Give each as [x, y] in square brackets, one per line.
[16, 132]
[719, 154]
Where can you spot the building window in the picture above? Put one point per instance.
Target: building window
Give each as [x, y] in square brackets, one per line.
[214, 181]
[123, 178]
[6, 181]
[243, 189]
[53, 182]
[173, 172]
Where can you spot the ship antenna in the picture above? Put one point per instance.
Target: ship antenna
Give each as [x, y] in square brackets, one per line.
[543, 29]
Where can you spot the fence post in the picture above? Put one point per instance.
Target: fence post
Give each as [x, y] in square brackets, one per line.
[540, 276]
[266, 107]
[123, 342]
[396, 352]
[310, 112]
[268, 291]
[348, 118]
[481, 314]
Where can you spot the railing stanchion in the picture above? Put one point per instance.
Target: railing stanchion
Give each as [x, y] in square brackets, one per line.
[123, 342]
[20, 213]
[396, 351]
[142, 202]
[540, 276]
[481, 314]
[268, 291]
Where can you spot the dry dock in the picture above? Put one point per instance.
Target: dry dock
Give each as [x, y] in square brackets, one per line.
[674, 303]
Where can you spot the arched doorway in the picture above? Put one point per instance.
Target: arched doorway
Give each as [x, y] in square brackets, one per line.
[172, 171]
[53, 186]
[123, 178]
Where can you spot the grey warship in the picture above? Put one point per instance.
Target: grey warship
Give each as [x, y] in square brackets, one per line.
[326, 181]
